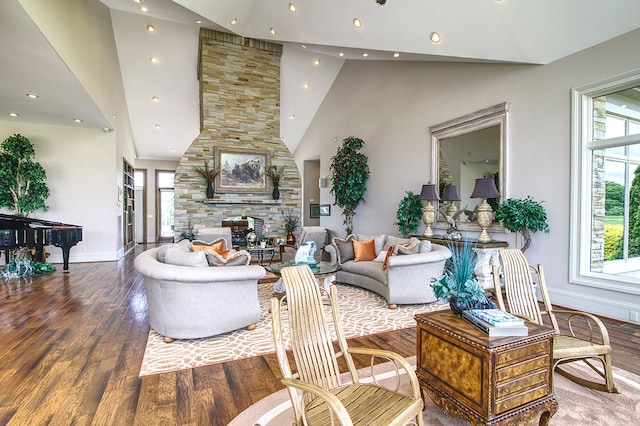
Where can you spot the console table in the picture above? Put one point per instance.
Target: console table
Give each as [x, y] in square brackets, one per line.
[487, 381]
[487, 255]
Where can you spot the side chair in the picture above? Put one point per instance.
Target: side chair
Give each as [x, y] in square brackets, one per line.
[316, 389]
[520, 290]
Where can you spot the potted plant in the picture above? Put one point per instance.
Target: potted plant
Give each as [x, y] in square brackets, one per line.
[275, 173]
[291, 221]
[458, 285]
[349, 178]
[409, 214]
[23, 186]
[524, 215]
[209, 175]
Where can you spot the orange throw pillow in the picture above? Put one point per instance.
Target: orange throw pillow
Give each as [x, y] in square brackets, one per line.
[217, 247]
[364, 250]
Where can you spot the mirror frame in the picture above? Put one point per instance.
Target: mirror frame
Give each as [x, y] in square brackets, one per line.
[494, 115]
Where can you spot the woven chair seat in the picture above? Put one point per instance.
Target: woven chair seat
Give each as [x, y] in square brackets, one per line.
[366, 405]
[568, 346]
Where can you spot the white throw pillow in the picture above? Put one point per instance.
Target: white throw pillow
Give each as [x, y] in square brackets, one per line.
[177, 257]
[381, 256]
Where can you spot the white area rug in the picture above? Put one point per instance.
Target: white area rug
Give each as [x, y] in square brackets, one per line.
[577, 405]
[363, 313]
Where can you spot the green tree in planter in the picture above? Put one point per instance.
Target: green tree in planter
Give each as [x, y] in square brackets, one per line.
[349, 178]
[523, 215]
[23, 186]
[409, 214]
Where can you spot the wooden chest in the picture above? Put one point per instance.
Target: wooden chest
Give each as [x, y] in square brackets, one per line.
[498, 380]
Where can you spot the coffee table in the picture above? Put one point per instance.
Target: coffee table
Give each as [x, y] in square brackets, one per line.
[320, 270]
[261, 251]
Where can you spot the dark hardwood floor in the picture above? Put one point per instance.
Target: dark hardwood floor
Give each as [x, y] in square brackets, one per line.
[72, 345]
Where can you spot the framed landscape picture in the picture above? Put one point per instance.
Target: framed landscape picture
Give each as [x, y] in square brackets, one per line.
[314, 211]
[242, 170]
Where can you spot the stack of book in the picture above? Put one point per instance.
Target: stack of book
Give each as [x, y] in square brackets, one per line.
[496, 322]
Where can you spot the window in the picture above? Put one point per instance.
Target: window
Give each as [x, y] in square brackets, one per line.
[165, 182]
[605, 207]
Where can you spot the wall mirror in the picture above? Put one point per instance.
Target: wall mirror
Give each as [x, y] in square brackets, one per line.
[467, 148]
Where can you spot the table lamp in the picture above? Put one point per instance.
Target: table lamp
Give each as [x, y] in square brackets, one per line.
[485, 188]
[429, 193]
[450, 194]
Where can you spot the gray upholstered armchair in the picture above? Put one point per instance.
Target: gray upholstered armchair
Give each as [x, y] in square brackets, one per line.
[187, 302]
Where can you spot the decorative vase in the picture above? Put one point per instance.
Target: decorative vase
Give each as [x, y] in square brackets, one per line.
[276, 191]
[263, 244]
[210, 191]
[291, 239]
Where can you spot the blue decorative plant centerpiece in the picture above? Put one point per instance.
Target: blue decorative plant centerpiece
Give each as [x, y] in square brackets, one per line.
[458, 285]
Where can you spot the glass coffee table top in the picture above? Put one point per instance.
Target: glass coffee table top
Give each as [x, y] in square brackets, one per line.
[320, 268]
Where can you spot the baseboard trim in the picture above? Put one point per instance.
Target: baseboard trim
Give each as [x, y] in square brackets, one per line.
[614, 309]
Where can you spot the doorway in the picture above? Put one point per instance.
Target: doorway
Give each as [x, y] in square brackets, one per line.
[165, 205]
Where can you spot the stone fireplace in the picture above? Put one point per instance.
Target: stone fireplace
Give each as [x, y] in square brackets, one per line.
[239, 111]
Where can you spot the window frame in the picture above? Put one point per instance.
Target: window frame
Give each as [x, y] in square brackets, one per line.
[582, 145]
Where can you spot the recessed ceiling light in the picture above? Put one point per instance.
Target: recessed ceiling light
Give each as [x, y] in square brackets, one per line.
[138, 1]
[13, 114]
[305, 85]
[77, 120]
[273, 31]
[304, 46]
[341, 54]
[153, 60]
[198, 21]
[292, 7]
[173, 150]
[151, 28]
[233, 21]
[292, 116]
[316, 62]
[155, 99]
[32, 96]
[357, 23]
[158, 126]
[435, 37]
[396, 55]
[365, 54]
[144, 9]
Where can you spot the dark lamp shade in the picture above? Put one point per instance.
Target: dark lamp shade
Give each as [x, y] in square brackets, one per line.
[429, 192]
[485, 188]
[450, 193]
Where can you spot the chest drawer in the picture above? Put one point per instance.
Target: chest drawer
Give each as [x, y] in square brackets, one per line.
[522, 353]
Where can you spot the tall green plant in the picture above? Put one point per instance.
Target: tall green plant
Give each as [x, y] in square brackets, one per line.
[634, 215]
[349, 178]
[524, 215]
[23, 186]
[409, 214]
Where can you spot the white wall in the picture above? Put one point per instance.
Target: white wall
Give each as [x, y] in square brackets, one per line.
[80, 166]
[391, 105]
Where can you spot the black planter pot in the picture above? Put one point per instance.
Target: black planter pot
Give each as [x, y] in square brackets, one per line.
[457, 306]
[276, 191]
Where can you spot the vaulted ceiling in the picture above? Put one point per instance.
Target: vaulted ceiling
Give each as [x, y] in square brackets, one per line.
[509, 31]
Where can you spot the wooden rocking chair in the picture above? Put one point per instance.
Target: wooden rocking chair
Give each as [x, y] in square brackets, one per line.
[317, 393]
[520, 291]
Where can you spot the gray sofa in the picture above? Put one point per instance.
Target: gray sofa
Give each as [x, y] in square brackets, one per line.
[186, 302]
[407, 277]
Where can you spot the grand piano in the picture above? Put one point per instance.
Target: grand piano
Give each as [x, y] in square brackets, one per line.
[23, 232]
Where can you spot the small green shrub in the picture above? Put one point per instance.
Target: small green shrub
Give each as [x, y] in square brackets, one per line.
[613, 238]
